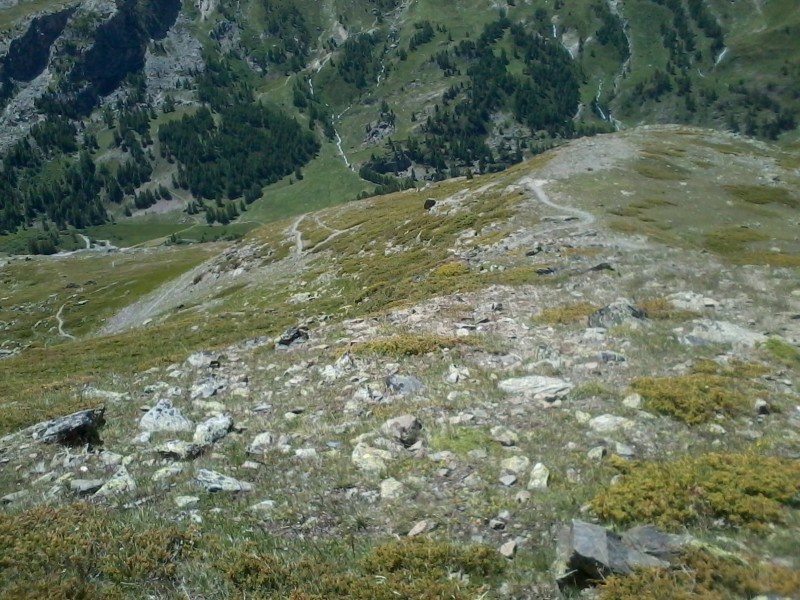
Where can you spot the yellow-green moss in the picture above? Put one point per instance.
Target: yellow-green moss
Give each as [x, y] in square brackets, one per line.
[711, 389]
[452, 268]
[569, 313]
[661, 308]
[741, 489]
[732, 240]
[761, 194]
[703, 575]
[406, 345]
[77, 552]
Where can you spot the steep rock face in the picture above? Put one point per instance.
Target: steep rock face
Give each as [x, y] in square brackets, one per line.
[119, 48]
[28, 55]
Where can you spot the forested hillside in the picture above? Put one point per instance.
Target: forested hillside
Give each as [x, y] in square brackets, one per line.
[209, 109]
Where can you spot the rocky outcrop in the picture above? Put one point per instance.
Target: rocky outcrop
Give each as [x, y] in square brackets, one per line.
[28, 55]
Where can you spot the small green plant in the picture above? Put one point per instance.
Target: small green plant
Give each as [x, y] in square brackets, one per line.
[783, 352]
[741, 489]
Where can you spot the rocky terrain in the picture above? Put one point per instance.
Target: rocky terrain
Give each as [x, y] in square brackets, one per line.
[510, 368]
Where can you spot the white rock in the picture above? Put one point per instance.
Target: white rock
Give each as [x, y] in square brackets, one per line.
[421, 527]
[706, 331]
[610, 423]
[515, 464]
[306, 453]
[212, 430]
[164, 417]
[212, 481]
[120, 483]
[509, 549]
[185, 501]
[540, 475]
[537, 387]
[261, 443]
[167, 472]
[391, 489]
[633, 401]
[372, 460]
[264, 506]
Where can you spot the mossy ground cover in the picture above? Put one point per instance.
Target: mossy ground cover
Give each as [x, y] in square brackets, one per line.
[702, 574]
[76, 552]
[741, 490]
[710, 390]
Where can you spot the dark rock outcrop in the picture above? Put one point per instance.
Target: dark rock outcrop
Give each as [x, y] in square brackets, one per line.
[82, 427]
[588, 553]
[28, 55]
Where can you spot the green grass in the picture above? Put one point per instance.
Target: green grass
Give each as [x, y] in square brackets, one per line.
[757, 194]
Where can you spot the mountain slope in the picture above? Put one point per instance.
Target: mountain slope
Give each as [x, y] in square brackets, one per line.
[394, 93]
[476, 318]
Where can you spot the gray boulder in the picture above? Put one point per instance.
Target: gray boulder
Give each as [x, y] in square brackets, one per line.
[404, 384]
[178, 450]
[292, 336]
[120, 483]
[706, 331]
[212, 430]
[537, 387]
[78, 428]
[404, 429]
[211, 481]
[164, 417]
[616, 314]
[588, 553]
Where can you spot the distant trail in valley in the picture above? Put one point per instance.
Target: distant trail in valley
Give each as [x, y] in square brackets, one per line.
[294, 231]
[60, 320]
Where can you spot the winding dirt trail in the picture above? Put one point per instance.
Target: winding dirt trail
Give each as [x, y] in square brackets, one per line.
[584, 218]
[60, 320]
[295, 232]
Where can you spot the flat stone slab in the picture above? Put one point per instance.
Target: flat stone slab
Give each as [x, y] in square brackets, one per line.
[537, 387]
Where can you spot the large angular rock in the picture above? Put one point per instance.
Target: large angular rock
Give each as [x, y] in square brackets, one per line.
[537, 387]
[120, 483]
[589, 553]
[78, 428]
[212, 430]
[610, 423]
[211, 481]
[178, 450]
[164, 417]
[372, 460]
[292, 336]
[616, 314]
[706, 331]
[261, 443]
[650, 540]
[404, 384]
[403, 429]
